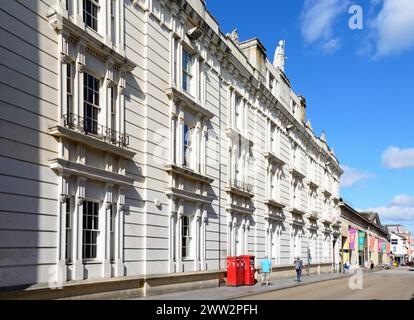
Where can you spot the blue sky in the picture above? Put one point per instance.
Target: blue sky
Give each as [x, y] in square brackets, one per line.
[358, 85]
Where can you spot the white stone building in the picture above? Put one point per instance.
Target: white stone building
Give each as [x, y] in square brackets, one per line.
[137, 139]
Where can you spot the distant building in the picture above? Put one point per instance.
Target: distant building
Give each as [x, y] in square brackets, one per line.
[400, 242]
[364, 239]
[399, 250]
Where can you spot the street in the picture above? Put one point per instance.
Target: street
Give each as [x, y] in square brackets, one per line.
[395, 284]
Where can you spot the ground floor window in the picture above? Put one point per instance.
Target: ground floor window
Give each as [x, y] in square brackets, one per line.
[112, 232]
[275, 245]
[186, 237]
[68, 249]
[90, 229]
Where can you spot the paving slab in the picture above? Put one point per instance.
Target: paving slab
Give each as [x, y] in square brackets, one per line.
[228, 293]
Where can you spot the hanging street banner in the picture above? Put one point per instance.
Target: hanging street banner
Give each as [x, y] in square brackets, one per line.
[371, 243]
[379, 245]
[361, 240]
[384, 247]
[352, 235]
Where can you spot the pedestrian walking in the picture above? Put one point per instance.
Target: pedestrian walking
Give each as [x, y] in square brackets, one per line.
[347, 266]
[266, 269]
[372, 265]
[298, 267]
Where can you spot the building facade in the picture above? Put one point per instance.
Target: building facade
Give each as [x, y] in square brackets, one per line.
[401, 242]
[399, 251]
[137, 139]
[364, 239]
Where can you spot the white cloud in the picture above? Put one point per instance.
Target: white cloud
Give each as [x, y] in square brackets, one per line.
[317, 20]
[394, 26]
[394, 213]
[402, 200]
[331, 46]
[353, 176]
[396, 158]
[400, 210]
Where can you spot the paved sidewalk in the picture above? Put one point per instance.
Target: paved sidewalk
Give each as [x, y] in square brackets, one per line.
[228, 293]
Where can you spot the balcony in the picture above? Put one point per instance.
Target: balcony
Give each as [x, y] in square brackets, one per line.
[297, 211]
[312, 184]
[327, 193]
[240, 188]
[274, 203]
[89, 132]
[274, 157]
[240, 209]
[337, 222]
[188, 173]
[326, 220]
[296, 173]
[313, 214]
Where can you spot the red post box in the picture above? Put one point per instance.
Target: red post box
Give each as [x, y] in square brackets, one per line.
[240, 271]
[232, 271]
[235, 271]
[248, 270]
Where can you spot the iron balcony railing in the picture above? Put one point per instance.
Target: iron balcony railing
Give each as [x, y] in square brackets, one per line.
[243, 186]
[91, 127]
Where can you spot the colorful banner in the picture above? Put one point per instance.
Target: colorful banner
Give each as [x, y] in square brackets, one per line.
[388, 248]
[352, 236]
[371, 243]
[361, 240]
[384, 247]
[380, 245]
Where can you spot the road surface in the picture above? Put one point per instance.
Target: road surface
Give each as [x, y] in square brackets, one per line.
[395, 284]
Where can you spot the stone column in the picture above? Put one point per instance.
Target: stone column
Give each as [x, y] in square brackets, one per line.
[229, 234]
[173, 72]
[180, 139]
[267, 237]
[197, 224]
[78, 81]
[106, 22]
[203, 151]
[62, 73]
[235, 236]
[172, 243]
[119, 20]
[105, 235]
[77, 12]
[180, 65]
[204, 219]
[106, 115]
[197, 152]
[119, 235]
[77, 230]
[173, 135]
[120, 111]
[179, 263]
[61, 234]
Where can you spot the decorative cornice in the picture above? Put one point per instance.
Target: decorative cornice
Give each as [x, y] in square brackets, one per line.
[190, 174]
[94, 46]
[78, 169]
[182, 98]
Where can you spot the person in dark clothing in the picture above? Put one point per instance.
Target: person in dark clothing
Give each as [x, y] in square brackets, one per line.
[298, 267]
[372, 265]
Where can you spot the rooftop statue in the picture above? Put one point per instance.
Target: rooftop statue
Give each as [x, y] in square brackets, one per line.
[279, 58]
[234, 36]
